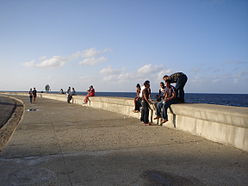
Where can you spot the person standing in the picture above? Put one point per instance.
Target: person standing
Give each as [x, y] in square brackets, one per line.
[34, 94]
[30, 95]
[180, 79]
[137, 99]
[145, 103]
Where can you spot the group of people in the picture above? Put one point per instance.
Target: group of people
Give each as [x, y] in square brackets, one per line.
[168, 95]
[32, 95]
[71, 92]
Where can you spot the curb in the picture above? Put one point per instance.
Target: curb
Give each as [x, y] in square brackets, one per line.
[10, 126]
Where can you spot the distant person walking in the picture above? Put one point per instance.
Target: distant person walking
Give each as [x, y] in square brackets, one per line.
[180, 79]
[91, 92]
[30, 95]
[34, 95]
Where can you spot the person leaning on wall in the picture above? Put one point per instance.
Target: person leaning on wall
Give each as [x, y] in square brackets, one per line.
[180, 79]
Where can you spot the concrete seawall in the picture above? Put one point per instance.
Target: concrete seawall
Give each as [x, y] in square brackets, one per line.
[223, 124]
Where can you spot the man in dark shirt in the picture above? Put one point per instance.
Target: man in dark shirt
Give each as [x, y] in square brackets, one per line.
[145, 103]
[180, 79]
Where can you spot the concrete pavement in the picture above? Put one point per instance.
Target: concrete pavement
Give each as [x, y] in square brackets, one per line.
[64, 144]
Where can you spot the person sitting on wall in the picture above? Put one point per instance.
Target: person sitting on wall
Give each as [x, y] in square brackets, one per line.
[137, 99]
[73, 91]
[161, 92]
[169, 98]
[180, 79]
[91, 92]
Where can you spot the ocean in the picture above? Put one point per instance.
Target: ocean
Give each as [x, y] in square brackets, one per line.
[240, 100]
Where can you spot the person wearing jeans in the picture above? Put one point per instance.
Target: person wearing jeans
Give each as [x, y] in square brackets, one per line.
[180, 79]
[170, 98]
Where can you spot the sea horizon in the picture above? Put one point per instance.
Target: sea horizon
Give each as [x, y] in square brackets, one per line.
[229, 99]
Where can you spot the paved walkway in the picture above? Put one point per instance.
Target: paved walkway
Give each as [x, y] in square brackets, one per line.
[64, 144]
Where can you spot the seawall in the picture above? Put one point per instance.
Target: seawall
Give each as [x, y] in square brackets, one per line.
[223, 124]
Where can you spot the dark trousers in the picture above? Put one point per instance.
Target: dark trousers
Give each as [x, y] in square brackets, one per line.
[179, 87]
[166, 105]
[30, 99]
[69, 97]
[137, 103]
[144, 112]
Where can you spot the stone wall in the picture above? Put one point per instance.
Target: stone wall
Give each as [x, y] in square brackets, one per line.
[223, 124]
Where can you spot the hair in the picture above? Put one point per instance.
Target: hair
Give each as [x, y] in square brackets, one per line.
[167, 81]
[147, 82]
[165, 76]
[138, 85]
[162, 83]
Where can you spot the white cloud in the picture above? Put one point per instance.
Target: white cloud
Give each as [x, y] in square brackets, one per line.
[154, 73]
[109, 70]
[29, 63]
[93, 60]
[149, 68]
[55, 61]
[89, 56]
[91, 52]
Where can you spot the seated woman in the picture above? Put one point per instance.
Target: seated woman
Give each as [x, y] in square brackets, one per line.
[91, 92]
[170, 98]
[137, 99]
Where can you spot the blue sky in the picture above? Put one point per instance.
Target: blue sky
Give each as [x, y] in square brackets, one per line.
[115, 44]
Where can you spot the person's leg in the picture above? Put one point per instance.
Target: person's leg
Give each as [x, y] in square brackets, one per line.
[165, 107]
[30, 99]
[139, 104]
[142, 112]
[180, 87]
[146, 113]
[86, 99]
[158, 109]
[136, 107]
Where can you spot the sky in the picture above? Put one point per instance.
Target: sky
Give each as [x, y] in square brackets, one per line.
[115, 44]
